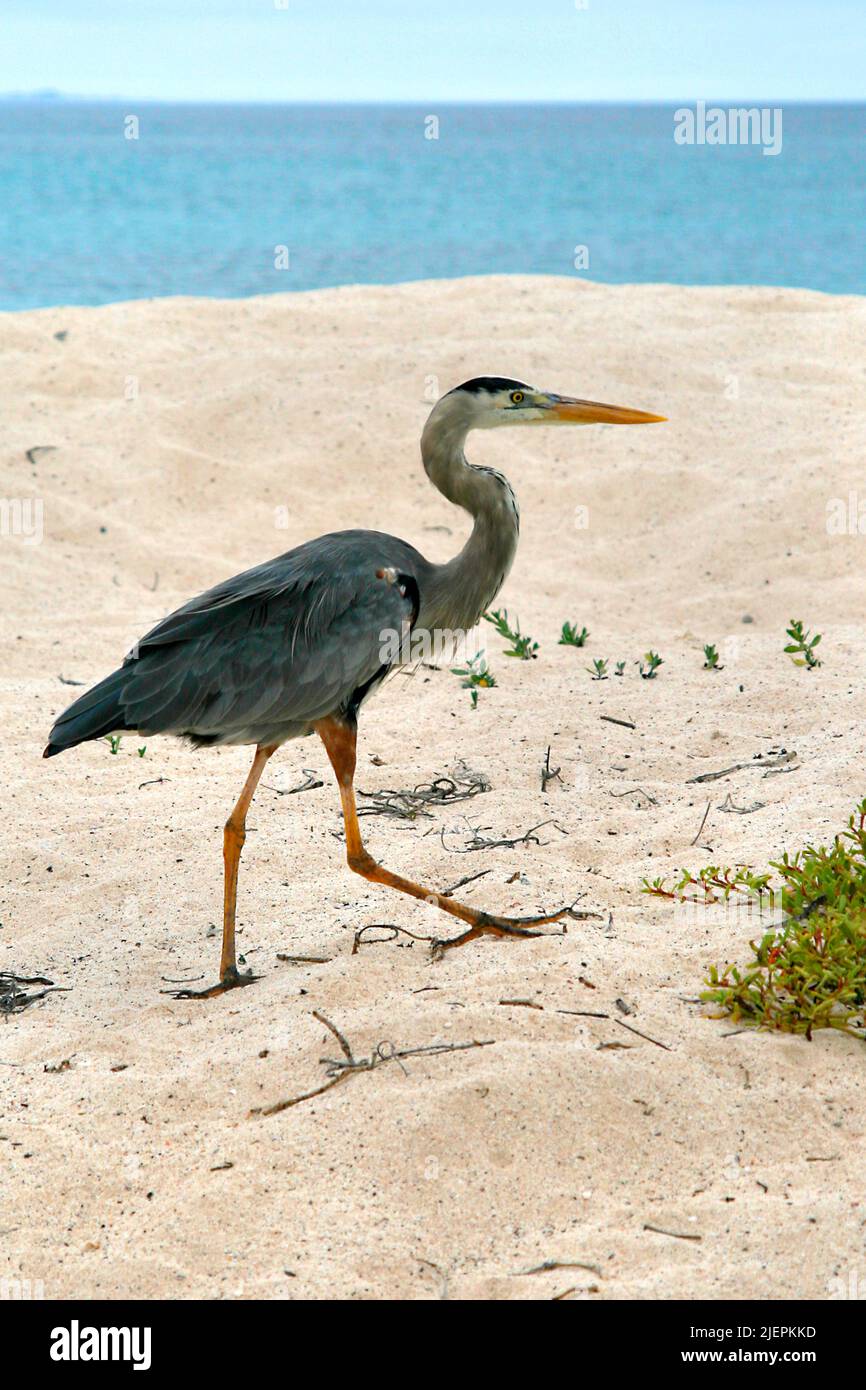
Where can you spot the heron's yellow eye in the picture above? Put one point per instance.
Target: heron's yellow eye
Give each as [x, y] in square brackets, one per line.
[516, 397]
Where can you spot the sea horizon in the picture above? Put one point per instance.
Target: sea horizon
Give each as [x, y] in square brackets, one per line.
[50, 94]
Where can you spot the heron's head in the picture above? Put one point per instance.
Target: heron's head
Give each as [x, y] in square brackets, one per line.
[489, 401]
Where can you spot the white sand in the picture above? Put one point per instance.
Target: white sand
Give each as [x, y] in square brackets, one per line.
[466, 1169]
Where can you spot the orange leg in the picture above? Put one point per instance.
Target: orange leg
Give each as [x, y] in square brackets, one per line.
[234, 836]
[340, 739]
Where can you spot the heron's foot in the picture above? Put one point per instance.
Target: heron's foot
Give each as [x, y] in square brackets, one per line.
[231, 979]
[490, 925]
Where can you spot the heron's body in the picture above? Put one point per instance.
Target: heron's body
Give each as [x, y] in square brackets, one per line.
[260, 658]
[295, 645]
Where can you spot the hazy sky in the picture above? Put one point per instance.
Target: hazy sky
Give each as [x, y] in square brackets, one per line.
[423, 50]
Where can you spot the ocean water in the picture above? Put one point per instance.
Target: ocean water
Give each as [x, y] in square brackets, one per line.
[201, 200]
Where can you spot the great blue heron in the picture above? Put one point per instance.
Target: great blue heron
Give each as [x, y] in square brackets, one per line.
[294, 646]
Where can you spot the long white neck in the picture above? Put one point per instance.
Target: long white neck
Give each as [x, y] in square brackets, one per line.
[463, 588]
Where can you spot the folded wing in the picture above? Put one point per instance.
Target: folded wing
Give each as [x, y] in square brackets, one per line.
[262, 656]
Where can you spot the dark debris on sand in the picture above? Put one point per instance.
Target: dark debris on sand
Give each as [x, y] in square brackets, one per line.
[15, 994]
[441, 791]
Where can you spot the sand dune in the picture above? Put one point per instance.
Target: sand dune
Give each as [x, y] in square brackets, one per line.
[179, 441]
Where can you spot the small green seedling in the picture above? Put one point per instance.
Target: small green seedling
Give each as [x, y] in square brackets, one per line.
[141, 751]
[619, 668]
[476, 676]
[113, 741]
[712, 884]
[521, 647]
[653, 662]
[571, 637]
[598, 669]
[801, 647]
[711, 659]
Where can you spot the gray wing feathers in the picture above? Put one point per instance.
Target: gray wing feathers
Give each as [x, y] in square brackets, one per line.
[301, 577]
[284, 644]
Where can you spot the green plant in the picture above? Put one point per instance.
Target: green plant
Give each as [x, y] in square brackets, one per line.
[598, 669]
[653, 662]
[714, 884]
[809, 970]
[801, 647]
[571, 637]
[619, 669]
[524, 648]
[711, 659]
[141, 751]
[476, 676]
[113, 741]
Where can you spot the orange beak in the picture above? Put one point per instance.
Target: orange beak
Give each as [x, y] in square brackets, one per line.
[573, 412]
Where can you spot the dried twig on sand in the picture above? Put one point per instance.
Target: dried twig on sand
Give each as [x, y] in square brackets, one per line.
[702, 824]
[339, 1069]
[728, 805]
[13, 998]
[34, 454]
[558, 1264]
[776, 760]
[361, 935]
[303, 960]
[677, 1235]
[462, 882]
[441, 791]
[645, 1036]
[637, 791]
[311, 781]
[478, 841]
[548, 773]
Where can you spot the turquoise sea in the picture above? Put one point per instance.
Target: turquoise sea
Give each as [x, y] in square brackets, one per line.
[202, 199]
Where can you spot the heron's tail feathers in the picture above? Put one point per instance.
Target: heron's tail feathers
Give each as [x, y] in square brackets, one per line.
[93, 715]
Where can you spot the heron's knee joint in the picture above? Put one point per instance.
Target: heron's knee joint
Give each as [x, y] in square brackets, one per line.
[233, 831]
[360, 862]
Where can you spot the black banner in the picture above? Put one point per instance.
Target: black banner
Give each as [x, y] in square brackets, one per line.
[86, 1338]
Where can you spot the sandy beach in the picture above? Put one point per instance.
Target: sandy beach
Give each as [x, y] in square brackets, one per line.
[612, 1137]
